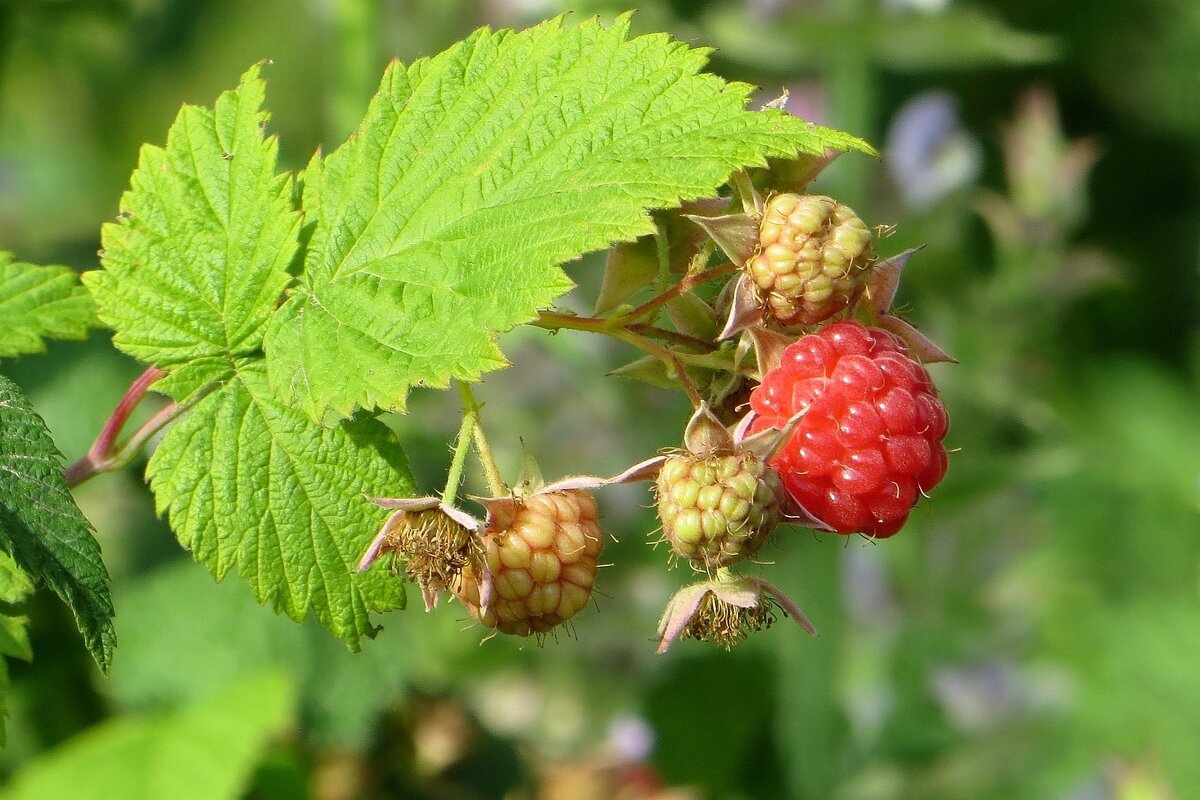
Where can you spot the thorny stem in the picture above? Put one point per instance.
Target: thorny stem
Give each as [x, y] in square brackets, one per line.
[482, 449]
[104, 455]
[462, 443]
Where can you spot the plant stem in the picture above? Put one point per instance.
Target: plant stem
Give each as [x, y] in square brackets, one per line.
[355, 64]
[482, 448]
[99, 456]
[686, 283]
[462, 443]
[662, 248]
[553, 321]
[92, 465]
[850, 86]
[667, 356]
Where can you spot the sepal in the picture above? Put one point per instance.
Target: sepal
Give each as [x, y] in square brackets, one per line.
[735, 234]
[880, 295]
[629, 268]
[885, 280]
[725, 610]
[745, 309]
[768, 348]
[692, 316]
[434, 541]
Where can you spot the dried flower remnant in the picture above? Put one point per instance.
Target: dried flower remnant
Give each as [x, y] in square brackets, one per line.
[725, 611]
[431, 541]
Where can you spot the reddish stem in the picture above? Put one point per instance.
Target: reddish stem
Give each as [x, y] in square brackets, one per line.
[101, 450]
[687, 283]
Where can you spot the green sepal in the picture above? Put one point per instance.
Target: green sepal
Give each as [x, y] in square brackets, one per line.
[629, 268]
[692, 316]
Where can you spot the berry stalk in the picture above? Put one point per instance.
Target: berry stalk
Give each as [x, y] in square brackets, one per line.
[483, 450]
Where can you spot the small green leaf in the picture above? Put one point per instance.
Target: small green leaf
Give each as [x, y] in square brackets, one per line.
[202, 752]
[42, 528]
[475, 174]
[40, 302]
[652, 370]
[196, 262]
[15, 586]
[251, 483]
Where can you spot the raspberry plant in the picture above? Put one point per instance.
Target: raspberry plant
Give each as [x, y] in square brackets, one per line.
[282, 312]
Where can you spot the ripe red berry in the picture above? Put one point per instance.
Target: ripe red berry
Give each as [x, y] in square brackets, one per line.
[870, 442]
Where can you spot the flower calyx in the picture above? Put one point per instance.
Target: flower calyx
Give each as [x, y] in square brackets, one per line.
[725, 610]
[433, 541]
[880, 294]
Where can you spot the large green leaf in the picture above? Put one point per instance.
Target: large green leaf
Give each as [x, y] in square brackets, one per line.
[251, 483]
[198, 258]
[42, 528]
[475, 174]
[40, 302]
[202, 752]
[15, 586]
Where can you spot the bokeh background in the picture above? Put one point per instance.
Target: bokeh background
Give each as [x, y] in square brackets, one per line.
[1034, 632]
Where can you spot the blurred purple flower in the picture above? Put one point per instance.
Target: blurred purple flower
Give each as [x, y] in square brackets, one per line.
[983, 696]
[630, 738]
[928, 152]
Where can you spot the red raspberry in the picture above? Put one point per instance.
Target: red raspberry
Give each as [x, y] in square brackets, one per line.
[542, 564]
[871, 440]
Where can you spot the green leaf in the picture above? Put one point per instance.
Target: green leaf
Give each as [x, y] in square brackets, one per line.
[251, 483]
[203, 752]
[198, 258]
[15, 586]
[475, 174]
[40, 302]
[42, 528]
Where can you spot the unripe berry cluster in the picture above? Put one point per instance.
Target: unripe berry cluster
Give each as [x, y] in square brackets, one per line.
[718, 510]
[814, 256]
[542, 564]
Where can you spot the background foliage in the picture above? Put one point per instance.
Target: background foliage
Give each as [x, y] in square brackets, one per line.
[1032, 633]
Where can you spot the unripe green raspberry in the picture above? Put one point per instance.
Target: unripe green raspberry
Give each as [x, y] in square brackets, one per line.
[542, 565]
[814, 258]
[719, 509]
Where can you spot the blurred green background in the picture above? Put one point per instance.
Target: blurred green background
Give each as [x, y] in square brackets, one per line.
[1034, 632]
